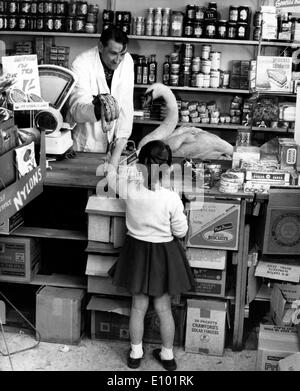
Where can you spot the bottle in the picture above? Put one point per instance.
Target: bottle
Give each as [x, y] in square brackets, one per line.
[145, 70]
[149, 23]
[152, 69]
[166, 71]
[139, 70]
[157, 22]
[166, 21]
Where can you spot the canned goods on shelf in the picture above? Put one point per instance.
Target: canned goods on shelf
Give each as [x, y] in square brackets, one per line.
[205, 51]
[232, 30]
[210, 29]
[12, 22]
[256, 33]
[58, 23]
[206, 66]
[241, 31]
[189, 28]
[91, 18]
[199, 13]
[257, 19]
[198, 29]
[200, 80]
[175, 68]
[190, 12]
[32, 23]
[176, 24]
[90, 28]
[61, 8]
[13, 7]
[188, 50]
[214, 81]
[93, 9]
[23, 23]
[108, 16]
[70, 25]
[40, 7]
[48, 8]
[33, 7]
[224, 79]
[222, 29]
[194, 79]
[174, 57]
[25, 7]
[81, 8]
[40, 23]
[206, 81]
[196, 62]
[244, 14]
[233, 13]
[79, 24]
[2, 7]
[48, 23]
[174, 80]
[215, 58]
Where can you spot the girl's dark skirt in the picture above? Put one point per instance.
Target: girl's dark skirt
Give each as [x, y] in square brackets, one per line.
[152, 268]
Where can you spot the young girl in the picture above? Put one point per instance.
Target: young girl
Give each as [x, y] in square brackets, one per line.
[152, 262]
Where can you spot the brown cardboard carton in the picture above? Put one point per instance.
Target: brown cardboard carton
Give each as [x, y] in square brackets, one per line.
[290, 363]
[275, 343]
[59, 314]
[205, 327]
[19, 258]
[12, 223]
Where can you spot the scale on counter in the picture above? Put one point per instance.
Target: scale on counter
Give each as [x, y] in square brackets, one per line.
[56, 84]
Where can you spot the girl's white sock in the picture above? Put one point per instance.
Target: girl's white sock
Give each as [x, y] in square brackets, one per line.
[136, 350]
[166, 354]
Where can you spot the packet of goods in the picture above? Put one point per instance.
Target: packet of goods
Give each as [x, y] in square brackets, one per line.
[25, 159]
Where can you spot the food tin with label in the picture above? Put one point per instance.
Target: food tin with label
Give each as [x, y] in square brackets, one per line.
[190, 12]
[25, 7]
[91, 18]
[189, 28]
[176, 24]
[108, 16]
[198, 29]
[93, 9]
[206, 66]
[242, 29]
[48, 23]
[232, 27]
[244, 14]
[61, 8]
[174, 80]
[257, 19]
[210, 29]
[79, 25]
[174, 57]
[23, 23]
[48, 8]
[90, 28]
[196, 64]
[199, 13]
[12, 22]
[214, 81]
[200, 80]
[81, 8]
[40, 23]
[224, 79]
[233, 13]
[174, 69]
[222, 29]
[58, 23]
[205, 52]
[215, 58]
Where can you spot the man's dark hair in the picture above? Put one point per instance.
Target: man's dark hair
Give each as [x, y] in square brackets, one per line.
[114, 33]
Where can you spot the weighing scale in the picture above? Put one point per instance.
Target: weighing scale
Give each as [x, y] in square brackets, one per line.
[56, 84]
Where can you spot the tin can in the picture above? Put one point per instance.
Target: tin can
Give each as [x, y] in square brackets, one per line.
[81, 8]
[48, 8]
[241, 31]
[91, 18]
[222, 29]
[232, 27]
[12, 22]
[126, 17]
[58, 23]
[79, 24]
[13, 7]
[257, 19]
[256, 33]
[210, 29]
[40, 23]
[224, 79]
[198, 29]
[175, 68]
[205, 52]
[34, 7]
[206, 81]
[2, 7]
[174, 57]
[2, 22]
[176, 24]
[200, 80]
[61, 8]
[25, 7]
[48, 23]
[108, 16]
[215, 58]
[190, 12]
[196, 64]
[187, 50]
[214, 81]
[90, 28]
[23, 23]
[40, 7]
[206, 66]
[174, 80]
[243, 14]
[233, 14]
[140, 25]
[70, 25]
[119, 17]
[199, 13]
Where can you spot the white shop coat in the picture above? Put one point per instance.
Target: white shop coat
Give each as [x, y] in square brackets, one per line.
[88, 135]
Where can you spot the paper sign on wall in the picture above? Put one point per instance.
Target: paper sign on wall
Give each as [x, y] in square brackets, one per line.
[278, 271]
[25, 69]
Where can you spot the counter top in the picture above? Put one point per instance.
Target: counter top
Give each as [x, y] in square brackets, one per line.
[80, 172]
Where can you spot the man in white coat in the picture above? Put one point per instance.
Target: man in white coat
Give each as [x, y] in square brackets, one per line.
[104, 69]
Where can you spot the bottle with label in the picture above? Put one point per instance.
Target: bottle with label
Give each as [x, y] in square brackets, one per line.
[166, 71]
[166, 20]
[149, 23]
[152, 69]
[145, 70]
[139, 70]
[157, 22]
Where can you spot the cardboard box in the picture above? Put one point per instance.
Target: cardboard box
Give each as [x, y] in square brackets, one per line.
[290, 363]
[7, 169]
[287, 154]
[104, 286]
[214, 225]
[275, 343]
[274, 74]
[110, 320]
[19, 258]
[205, 327]
[246, 154]
[59, 314]
[12, 223]
[206, 258]
[210, 282]
[278, 271]
[282, 297]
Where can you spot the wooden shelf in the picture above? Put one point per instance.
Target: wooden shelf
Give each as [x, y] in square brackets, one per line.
[198, 89]
[50, 34]
[50, 233]
[230, 295]
[62, 280]
[263, 293]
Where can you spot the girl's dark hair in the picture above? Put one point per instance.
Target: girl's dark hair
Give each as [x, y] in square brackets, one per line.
[154, 153]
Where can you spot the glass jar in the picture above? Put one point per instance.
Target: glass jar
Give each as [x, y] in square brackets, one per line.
[165, 30]
[140, 25]
[210, 29]
[157, 22]
[190, 12]
[176, 24]
[222, 29]
[198, 29]
[149, 22]
[189, 28]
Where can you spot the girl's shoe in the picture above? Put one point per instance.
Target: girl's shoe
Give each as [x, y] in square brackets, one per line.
[169, 365]
[133, 363]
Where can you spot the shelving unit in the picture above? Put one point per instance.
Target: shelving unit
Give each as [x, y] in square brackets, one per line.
[50, 233]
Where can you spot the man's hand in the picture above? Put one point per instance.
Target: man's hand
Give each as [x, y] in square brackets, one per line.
[120, 144]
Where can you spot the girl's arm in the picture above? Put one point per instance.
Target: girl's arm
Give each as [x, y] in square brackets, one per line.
[117, 183]
[179, 225]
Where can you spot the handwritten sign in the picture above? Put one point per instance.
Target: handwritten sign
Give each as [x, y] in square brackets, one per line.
[25, 69]
[278, 271]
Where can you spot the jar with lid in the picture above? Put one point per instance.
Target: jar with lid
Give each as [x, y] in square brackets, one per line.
[189, 28]
[13, 7]
[165, 30]
[211, 12]
[12, 22]
[176, 24]
[210, 28]
[90, 28]
[199, 13]
[205, 52]
[198, 29]
[157, 22]
[190, 12]
[231, 33]
[222, 29]
[233, 14]
[140, 25]
[149, 22]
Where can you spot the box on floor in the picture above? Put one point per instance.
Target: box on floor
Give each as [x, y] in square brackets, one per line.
[205, 326]
[110, 320]
[60, 314]
[275, 343]
[282, 296]
[19, 258]
[290, 363]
